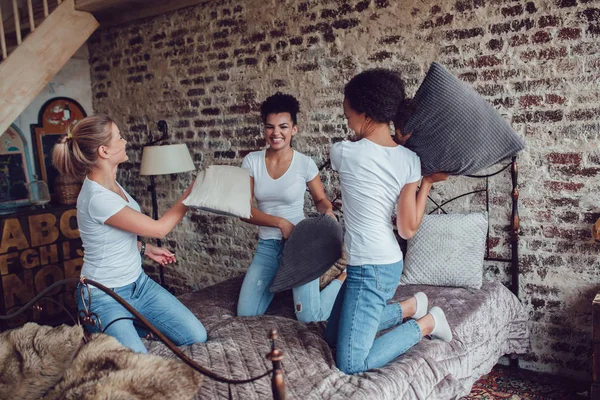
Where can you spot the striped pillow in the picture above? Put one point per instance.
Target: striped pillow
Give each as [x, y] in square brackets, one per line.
[454, 129]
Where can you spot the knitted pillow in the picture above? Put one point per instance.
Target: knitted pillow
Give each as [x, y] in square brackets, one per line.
[454, 129]
[222, 189]
[447, 250]
[312, 248]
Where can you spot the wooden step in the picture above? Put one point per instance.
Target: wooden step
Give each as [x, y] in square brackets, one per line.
[31, 65]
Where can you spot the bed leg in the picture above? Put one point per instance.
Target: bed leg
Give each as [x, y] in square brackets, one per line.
[514, 361]
[276, 355]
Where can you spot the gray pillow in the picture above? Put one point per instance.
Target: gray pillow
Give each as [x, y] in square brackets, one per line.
[312, 248]
[447, 250]
[454, 129]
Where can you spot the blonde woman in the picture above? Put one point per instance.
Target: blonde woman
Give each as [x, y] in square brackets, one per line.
[109, 222]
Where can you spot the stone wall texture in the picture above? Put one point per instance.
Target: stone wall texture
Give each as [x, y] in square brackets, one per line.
[205, 70]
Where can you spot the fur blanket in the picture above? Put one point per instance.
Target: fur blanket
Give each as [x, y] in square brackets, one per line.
[41, 362]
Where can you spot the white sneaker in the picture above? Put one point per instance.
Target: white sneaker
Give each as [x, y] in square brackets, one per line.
[422, 304]
[441, 330]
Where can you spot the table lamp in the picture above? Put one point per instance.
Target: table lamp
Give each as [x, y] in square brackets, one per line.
[164, 160]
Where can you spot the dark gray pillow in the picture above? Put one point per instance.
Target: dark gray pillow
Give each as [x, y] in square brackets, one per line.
[312, 248]
[454, 129]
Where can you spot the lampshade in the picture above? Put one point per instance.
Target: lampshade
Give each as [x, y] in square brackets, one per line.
[169, 159]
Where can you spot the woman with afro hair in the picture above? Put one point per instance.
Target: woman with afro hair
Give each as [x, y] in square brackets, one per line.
[377, 176]
[279, 176]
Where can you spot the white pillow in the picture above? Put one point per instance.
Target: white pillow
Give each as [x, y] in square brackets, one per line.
[447, 250]
[222, 189]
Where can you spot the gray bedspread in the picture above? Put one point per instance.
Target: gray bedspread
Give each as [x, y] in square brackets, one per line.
[486, 324]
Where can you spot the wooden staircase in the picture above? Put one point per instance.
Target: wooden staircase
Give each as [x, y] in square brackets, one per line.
[34, 46]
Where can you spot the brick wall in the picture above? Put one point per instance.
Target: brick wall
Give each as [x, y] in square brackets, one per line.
[206, 69]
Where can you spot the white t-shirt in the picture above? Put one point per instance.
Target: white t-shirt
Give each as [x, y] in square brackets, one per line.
[111, 256]
[282, 197]
[372, 177]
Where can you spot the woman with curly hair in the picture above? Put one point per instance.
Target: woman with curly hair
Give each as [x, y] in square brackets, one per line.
[279, 177]
[110, 221]
[377, 175]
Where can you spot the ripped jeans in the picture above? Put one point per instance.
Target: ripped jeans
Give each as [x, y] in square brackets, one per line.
[310, 303]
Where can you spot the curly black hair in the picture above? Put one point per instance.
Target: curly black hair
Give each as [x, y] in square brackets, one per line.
[380, 94]
[279, 103]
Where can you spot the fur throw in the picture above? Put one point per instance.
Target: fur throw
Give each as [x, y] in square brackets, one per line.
[53, 363]
[34, 357]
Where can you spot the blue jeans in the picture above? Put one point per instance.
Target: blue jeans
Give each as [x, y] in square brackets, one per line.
[361, 311]
[155, 303]
[310, 304]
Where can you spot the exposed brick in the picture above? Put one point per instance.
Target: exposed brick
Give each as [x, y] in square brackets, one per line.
[308, 67]
[569, 34]
[277, 33]
[584, 115]
[223, 154]
[564, 158]
[514, 26]
[495, 44]
[389, 40]
[562, 202]
[136, 40]
[490, 75]
[196, 92]
[468, 76]
[485, 61]
[552, 53]
[345, 23]
[541, 37]
[362, 5]
[592, 15]
[530, 101]
[461, 34]
[548, 20]
[539, 116]
[513, 11]
[563, 186]
[518, 40]
[566, 3]
[380, 56]
[530, 7]
[555, 99]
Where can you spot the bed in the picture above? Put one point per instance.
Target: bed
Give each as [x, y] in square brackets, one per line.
[487, 324]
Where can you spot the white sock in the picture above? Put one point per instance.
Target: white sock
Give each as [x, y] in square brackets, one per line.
[422, 304]
[441, 329]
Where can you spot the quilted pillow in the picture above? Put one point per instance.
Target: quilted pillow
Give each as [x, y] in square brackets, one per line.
[454, 129]
[222, 189]
[447, 250]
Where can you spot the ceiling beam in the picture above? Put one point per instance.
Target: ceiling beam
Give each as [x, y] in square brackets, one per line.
[115, 12]
[94, 6]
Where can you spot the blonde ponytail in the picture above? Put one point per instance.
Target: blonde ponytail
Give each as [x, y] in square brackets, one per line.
[77, 151]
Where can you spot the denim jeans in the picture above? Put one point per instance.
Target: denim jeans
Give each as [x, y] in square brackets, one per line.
[310, 303]
[155, 303]
[361, 311]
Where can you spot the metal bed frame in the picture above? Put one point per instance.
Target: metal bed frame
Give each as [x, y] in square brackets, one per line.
[86, 317]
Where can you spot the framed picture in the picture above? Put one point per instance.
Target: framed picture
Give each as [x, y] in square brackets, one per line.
[15, 169]
[55, 117]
